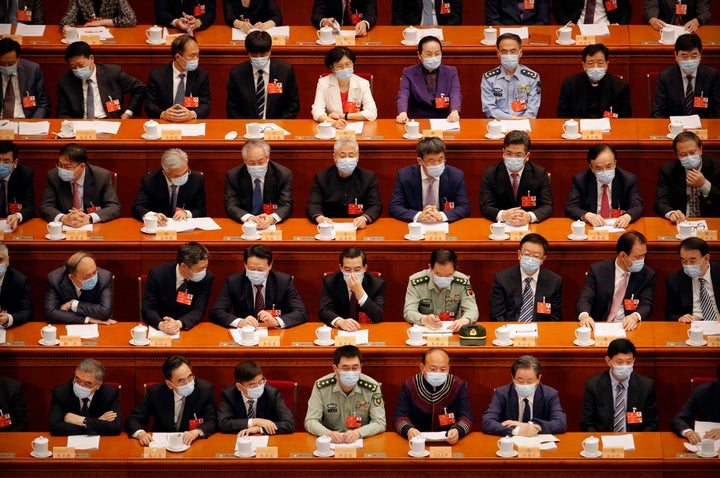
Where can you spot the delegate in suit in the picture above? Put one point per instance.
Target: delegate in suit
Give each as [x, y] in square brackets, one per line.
[185, 15]
[85, 405]
[252, 406]
[23, 93]
[693, 291]
[619, 400]
[430, 191]
[694, 13]
[12, 403]
[259, 294]
[102, 13]
[361, 13]
[17, 189]
[501, 12]
[280, 99]
[524, 407]
[421, 12]
[701, 406]
[252, 14]
[616, 12]
[15, 299]
[28, 11]
[352, 296]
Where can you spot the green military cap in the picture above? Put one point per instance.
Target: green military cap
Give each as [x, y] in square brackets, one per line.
[472, 334]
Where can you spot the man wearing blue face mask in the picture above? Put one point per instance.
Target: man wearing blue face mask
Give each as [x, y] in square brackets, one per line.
[690, 186]
[85, 405]
[620, 289]
[687, 88]
[524, 407]
[17, 191]
[346, 405]
[693, 291]
[23, 93]
[79, 293]
[344, 190]
[619, 400]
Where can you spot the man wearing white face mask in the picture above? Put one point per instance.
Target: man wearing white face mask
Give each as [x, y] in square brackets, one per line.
[619, 400]
[346, 405]
[524, 407]
[85, 405]
[620, 289]
[434, 400]
[694, 290]
[690, 186]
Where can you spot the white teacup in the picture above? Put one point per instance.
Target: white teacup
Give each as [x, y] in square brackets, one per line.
[250, 230]
[243, 446]
[323, 334]
[55, 229]
[505, 445]
[150, 222]
[490, 35]
[139, 333]
[326, 230]
[325, 35]
[502, 334]
[323, 444]
[175, 440]
[40, 445]
[49, 334]
[154, 34]
[695, 334]
[570, 128]
[71, 35]
[685, 230]
[590, 445]
[582, 334]
[414, 333]
[414, 229]
[578, 228]
[675, 128]
[497, 229]
[494, 128]
[412, 128]
[667, 35]
[325, 129]
[152, 129]
[253, 130]
[247, 334]
[707, 447]
[410, 35]
[417, 444]
[67, 128]
[564, 34]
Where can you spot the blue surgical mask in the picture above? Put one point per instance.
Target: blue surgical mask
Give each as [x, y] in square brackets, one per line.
[83, 73]
[510, 62]
[347, 165]
[81, 392]
[513, 164]
[257, 172]
[689, 66]
[187, 389]
[442, 282]
[260, 63]
[65, 174]
[596, 74]
[181, 180]
[349, 379]
[622, 372]
[5, 169]
[3, 270]
[255, 392]
[637, 265]
[433, 63]
[690, 162]
[529, 264]
[345, 74]
[255, 277]
[436, 171]
[191, 65]
[8, 70]
[359, 275]
[436, 378]
[525, 390]
[198, 276]
[89, 284]
[605, 177]
[692, 270]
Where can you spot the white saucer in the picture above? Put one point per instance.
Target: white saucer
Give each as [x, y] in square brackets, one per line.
[242, 455]
[577, 238]
[490, 136]
[56, 238]
[409, 43]
[324, 455]
[682, 238]
[416, 344]
[323, 344]
[161, 42]
[178, 450]
[66, 42]
[141, 343]
[585, 454]
[48, 454]
[251, 344]
[500, 343]
[501, 238]
[666, 42]
[569, 42]
[319, 136]
[419, 455]
[64, 136]
[50, 344]
[246, 238]
[407, 136]
[696, 344]
[485, 42]
[149, 138]
[325, 43]
[670, 136]
[584, 344]
[143, 230]
[320, 238]
[706, 456]
[577, 136]
[252, 136]
[503, 455]
[414, 238]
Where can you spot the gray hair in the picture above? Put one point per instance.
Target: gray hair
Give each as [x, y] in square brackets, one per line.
[4, 250]
[345, 141]
[526, 361]
[256, 143]
[92, 366]
[173, 158]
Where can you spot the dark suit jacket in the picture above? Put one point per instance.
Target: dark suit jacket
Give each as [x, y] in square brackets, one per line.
[159, 404]
[154, 196]
[506, 295]
[15, 297]
[583, 193]
[671, 189]
[334, 301]
[333, 9]
[241, 92]
[96, 303]
[35, 6]
[407, 200]
[566, 11]
[702, 405]
[597, 295]
[232, 416]
[160, 297]
[277, 191]
[105, 399]
[237, 299]
[503, 12]
[112, 81]
[599, 409]
[409, 12]
[257, 11]
[30, 82]
[160, 91]
[330, 194]
[496, 192]
[168, 10]
[97, 191]
[13, 402]
[547, 411]
[665, 10]
[680, 294]
[21, 189]
[579, 99]
[670, 94]
[414, 99]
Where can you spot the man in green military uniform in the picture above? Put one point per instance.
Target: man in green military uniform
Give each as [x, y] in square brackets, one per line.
[440, 294]
[346, 405]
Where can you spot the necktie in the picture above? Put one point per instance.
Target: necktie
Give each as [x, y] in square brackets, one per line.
[619, 416]
[85, 410]
[705, 302]
[178, 422]
[251, 409]
[12, 12]
[427, 12]
[689, 95]
[694, 202]
[90, 101]
[605, 204]
[3, 200]
[353, 306]
[526, 309]
[515, 184]
[521, 9]
[173, 199]
[618, 298]
[8, 110]
[430, 193]
[589, 12]
[260, 95]
[259, 300]
[348, 13]
[77, 204]
[257, 199]
[526, 410]
[180, 93]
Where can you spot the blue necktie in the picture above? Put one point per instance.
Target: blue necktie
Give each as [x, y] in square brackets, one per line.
[257, 201]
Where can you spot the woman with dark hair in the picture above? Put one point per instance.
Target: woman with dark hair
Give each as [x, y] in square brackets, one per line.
[249, 15]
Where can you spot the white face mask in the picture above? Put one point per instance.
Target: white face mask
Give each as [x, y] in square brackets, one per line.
[255, 392]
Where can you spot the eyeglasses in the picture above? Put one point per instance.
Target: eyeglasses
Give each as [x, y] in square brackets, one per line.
[67, 166]
[255, 385]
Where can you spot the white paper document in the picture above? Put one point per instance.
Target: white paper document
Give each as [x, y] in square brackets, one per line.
[434, 436]
[84, 442]
[515, 125]
[259, 332]
[34, 128]
[24, 30]
[618, 441]
[109, 127]
[159, 333]
[602, 124]
[709, 327]
[274, 31]
[203, 223]
[344, 226]
[356, 444]
[186, 129]
[511, 228]
[609, 329]
[444, 125]
[435, 226]
[688, 122]
[104, 32]
[609, 227]
[346, 33]
[435, 32]
[13, 125]
[5, 28]
[523, 330]
[592, 29]
[356, 126]
[4, 226]
[362, 337]
[535, 441]
[677, 29]
[699, 225]
[84, 331]
[444, 329]
[160, 440]
[522, 32]
[258, 441]
[86, 227]
[2, 336]
[274, 127]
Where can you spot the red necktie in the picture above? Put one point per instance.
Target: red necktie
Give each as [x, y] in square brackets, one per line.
[353, 306]
[589, 12]
[605, 204]
[259, 300]
[76, 196]
[618, 297]
[515, 184]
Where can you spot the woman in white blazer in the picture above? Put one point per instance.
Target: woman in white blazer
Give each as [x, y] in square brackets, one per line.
[342, 96]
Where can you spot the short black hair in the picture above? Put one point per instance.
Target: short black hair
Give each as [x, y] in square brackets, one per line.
[443, 256]
[535, 238]
[75, 152]
[79, 48]
[428, 39]
[688, 42]
[8, 146]
[695, 244]
[352, 253]
[526, 361]
[260, 251]
[173, 362]
[7, 45]
[245, 371]
[627, 241]
[434, 349]
[590, 50]
[191, 253]
[686, 136]
[621, 346]
[431, 145]
[597, 149]
[178, 44]
[508, 36]
[258, 41]
[335, 54]
[517, 137]
[346, 351]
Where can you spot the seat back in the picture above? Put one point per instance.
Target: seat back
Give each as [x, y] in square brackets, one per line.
[651, 83]
[695, 381]
[142, 279]
[114, 180]
[288, 390]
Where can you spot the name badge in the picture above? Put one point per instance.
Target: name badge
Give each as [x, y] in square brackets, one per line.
[631, 304]
[93, 209]
[634, 417]
[351, 107]
[615, 213]
[198, 10]
[112, 105]
[355, 209]
[196, 423]
[448, 205]
[363, 318]
[528, 201]
[544, 308]
[184, 298]
[680, 9]
[275, 88]
[442, 102]
[24, 15]
[444, 316]
[611, 5]
[29, 101]
[355, 18]
[445, 7]
[609, 114]
[446, 419]
[192, 101]
[700, 102]
[529, 4]
[519, 105]
[14, 207]
[269, 208]
[353, 421]
[5, 420]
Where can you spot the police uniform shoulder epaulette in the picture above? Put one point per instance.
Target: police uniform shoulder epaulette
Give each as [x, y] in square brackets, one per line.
[325, 382]
[365, 384]
[491, 73]
[420, 280]
[460, 280]
[529, 73]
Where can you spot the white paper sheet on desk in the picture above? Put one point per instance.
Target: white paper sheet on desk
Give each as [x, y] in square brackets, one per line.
[84, 442]
[13, 125]
[160, 440]
[86, 227]
[678, 30]
[259, 332]
[84, 331]
[515, 125]
[356, 444]
[109, 127]
[104, 32]
[274, 127]
[356, 126]
[609, 329]
[2, 336]
[443, 330]
[5, 28]
[511, 228]
[602, 124]
[688, 122]
[4, 226]
[609, 229]
[344, 226]
[186, 129]
[435, 226]
[444, 125]
[32, 128]
[709, 327]
[159, 333]
[594, 30]
[618, 441]
[538, 440]
[434, 436]
[362, 337]
[346, 33]
[700, 225]
[202, 223]
[522, 32]
[426, 32]
[522, 330]
[702, 428]
[30, 30]
[257, 441]
[274, 31]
